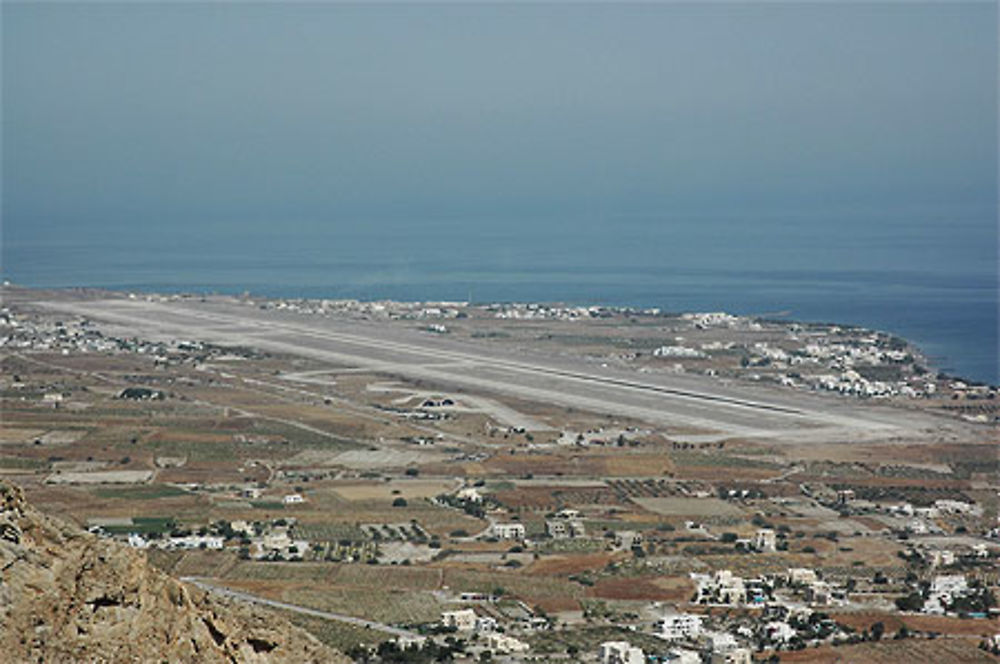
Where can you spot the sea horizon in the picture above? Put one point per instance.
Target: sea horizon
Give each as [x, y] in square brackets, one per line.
[948, 310]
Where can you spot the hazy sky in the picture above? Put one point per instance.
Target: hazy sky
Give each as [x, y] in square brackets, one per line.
[305, 114]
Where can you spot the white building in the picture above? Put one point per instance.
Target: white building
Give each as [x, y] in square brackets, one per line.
[292, 499]
[620, 652]
[734, 656]
[723, 587]
[765, 540]
[469, 493]
[242, 527]
[683, 656]
[801, 575]
[463, 620]
[957, 507]
[485, 624]
[779, 632]
[716, 643]
[564, 528]
[627, 539]
[508, 531]
[949, 584]
[137, 541]
[276, 540]
[677, 351]
[942, 558]
[52, 398]
[197, 542]
[674, 626]
[819, 593]
[943, 591]
[501, 643]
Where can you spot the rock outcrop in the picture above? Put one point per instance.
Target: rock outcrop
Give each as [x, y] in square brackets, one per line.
[69, 596]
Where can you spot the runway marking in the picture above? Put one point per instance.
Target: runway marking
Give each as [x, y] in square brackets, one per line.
[132, 312]
[464, 358]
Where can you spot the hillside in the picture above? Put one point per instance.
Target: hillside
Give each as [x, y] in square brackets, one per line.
[66, 595]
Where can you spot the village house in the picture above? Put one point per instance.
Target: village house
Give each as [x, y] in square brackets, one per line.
[683, 656]
[469, 493]
[52, 399]
[734, 656]
[242, 527]
[463, 620]
[485, 624]
[723, 587]
[627, 539]
[718, 643]
[819, 593]
[508, 531]
[845, 496]
[942, 558]
[778, 631]
[944, 589]
[765, 541]
[508, 645]
[673, 626]
[801, 576]
[620, 652]
[196, 542]
[564, 528]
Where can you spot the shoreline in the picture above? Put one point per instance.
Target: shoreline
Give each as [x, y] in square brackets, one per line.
[933, 362]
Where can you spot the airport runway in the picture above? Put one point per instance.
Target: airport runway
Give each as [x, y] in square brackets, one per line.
[744, 411]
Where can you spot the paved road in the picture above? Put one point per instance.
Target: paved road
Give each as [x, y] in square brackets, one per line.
[679, 401]
[247, 597]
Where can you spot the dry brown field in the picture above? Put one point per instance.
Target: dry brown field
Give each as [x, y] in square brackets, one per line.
[395, 489]
[562, 565]
[940, 624]
[909, 651]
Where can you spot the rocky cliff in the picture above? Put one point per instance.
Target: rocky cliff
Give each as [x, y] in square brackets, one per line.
[68, 596]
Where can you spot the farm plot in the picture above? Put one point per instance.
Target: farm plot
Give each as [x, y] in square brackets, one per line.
[345, 551]
[912, 651]
[396, 489]
[404, 578]
[102, 477]
[334, 633]
[696, 507]
[658, 488]
[146, 492]
[329, 532]
[553, 594]
[389, 606]
[383, 458]
[395, 531]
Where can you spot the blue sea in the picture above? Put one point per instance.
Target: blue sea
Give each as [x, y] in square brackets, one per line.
[933, 282]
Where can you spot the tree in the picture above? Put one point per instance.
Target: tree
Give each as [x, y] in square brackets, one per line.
[912, 602]
[878, 629]
[399, 502]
